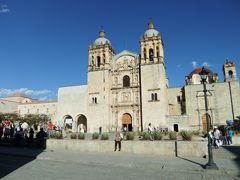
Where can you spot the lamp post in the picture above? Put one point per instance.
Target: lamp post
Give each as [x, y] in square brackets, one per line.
[211, 164]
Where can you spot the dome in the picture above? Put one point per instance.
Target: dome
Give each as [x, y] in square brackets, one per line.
[151, 31]
[195, 78]
[101, 39]
[198, 70]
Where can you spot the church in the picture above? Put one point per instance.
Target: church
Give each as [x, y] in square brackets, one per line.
[131, 90]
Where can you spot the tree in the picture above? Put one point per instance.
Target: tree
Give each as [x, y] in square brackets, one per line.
[10, 116]
[34, 119]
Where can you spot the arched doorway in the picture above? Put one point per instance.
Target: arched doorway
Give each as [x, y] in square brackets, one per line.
[82, 123]
[204, 121]
[127, 121]
[68, 122]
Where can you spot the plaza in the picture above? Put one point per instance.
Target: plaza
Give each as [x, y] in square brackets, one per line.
[56, 164]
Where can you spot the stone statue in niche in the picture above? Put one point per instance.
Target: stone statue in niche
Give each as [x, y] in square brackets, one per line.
[131, 63]
[135, 78]
[136, 97]
[126, 97]
[116, 80]
[125, 64]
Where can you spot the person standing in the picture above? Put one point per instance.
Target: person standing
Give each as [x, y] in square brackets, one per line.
[216, 134]
[50, 128]
[150, 131]
[224, 136]
[1, 131]
[230, 135]
[30, 139]
[118, 139]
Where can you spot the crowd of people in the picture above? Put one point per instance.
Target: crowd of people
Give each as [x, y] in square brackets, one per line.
[19, 132]
[221, 136]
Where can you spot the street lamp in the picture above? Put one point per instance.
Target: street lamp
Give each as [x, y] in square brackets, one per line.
[211, 164]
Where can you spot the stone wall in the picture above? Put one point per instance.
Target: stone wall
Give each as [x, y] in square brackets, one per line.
[158, 148]
[8, 106]
[219, 103]
[48, 108]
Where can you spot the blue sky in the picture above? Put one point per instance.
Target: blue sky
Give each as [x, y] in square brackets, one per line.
[44, 43]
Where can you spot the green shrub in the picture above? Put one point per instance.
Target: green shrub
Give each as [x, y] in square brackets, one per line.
[105, 136]
[186, 135]
[173, 135]
[166, 133]
[204, 132]
[196, 133]
[145, 135]
[56, 135]
[95, 135]
[73, 136]
[130, 135]
[157, 135]
[81, 135]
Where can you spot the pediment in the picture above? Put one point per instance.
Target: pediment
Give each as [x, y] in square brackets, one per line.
[124, 60]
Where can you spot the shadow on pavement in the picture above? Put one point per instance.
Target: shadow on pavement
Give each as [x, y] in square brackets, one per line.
[235, 150]
[194, 162]
[13, 157]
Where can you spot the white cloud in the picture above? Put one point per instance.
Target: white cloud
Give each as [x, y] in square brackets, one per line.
[29, 92]
[179, 66]
[44, 98]
[194, 64]
[206, 64]
[3, 8]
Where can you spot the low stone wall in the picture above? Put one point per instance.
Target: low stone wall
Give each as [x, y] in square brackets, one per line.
[158, 148]
[236, 140]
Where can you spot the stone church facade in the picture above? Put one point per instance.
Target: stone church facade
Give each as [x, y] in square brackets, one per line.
[131, 89]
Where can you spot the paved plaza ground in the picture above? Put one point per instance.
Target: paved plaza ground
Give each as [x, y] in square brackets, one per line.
[30, 164]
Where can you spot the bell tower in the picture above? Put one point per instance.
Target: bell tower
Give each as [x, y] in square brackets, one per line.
[100, 53]
[151, 46]
[229, 71]
[154, 82]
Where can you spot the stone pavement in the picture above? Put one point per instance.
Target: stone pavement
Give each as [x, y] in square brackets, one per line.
[23, 163]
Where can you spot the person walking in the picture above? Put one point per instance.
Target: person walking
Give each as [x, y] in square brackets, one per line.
[118, 139]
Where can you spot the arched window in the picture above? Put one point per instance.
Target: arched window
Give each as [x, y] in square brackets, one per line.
[151, 54]
[155, 97]
[144, 53]
[95, 100]
[230, 74]
[152, 95]
[98, 61]
[104, 58]
[126, 81]
[157, 51]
